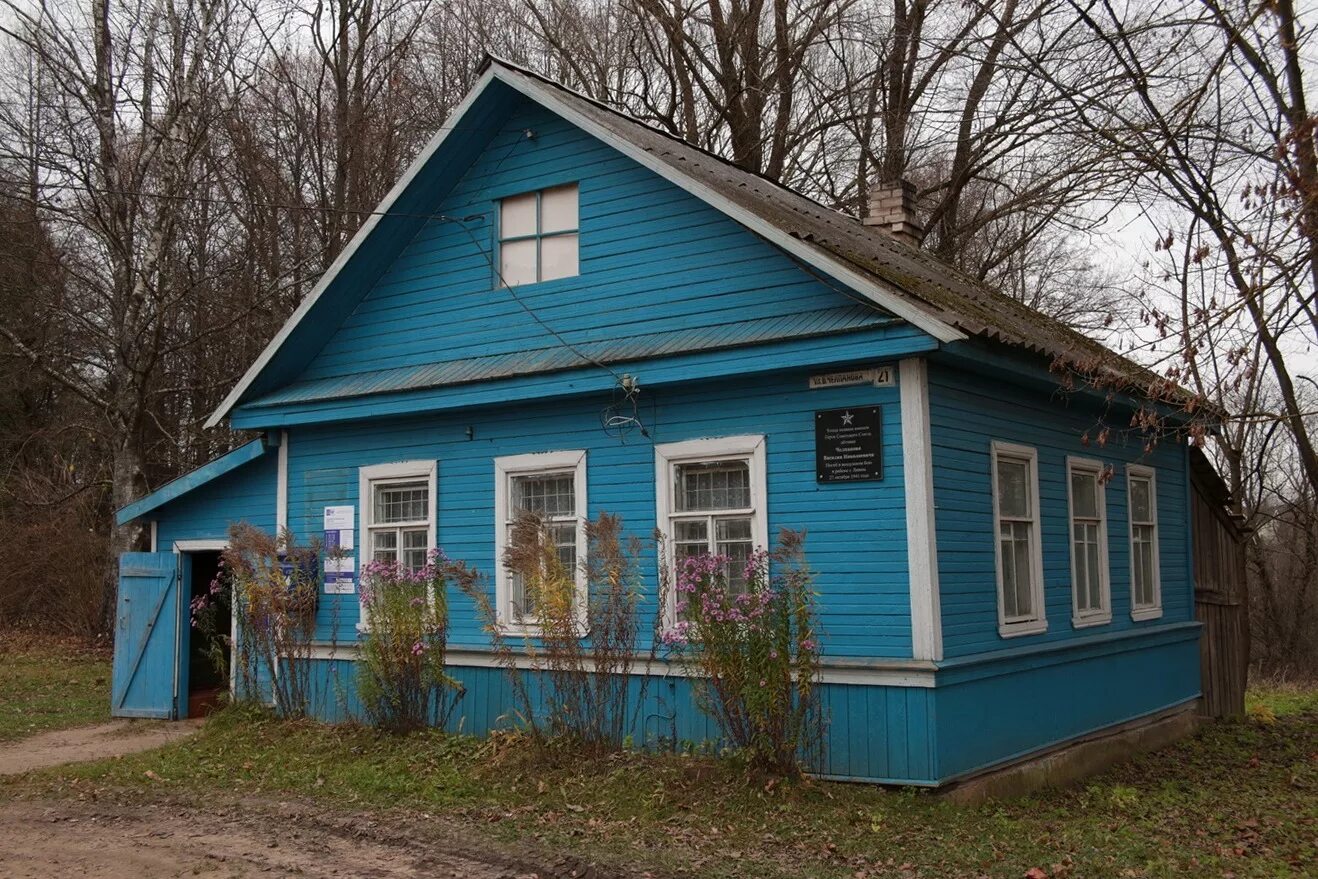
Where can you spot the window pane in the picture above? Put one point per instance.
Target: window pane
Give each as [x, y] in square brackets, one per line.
[733, 529]
[732, 538]
[545, 495]
[720, 485]
[517, 216]
[565, 546]
[1084, 495]
[558, 209]
[1024, 571]
[517, 262]
[690, 538]
[409, 502]
[415, 548]
[558, 257]
[1095, 578]
[1008, 572]
[1013, 488]
[384, 546]
[1140, 507]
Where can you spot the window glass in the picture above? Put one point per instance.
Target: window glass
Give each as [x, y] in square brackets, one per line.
[553, 496]
[517, 262]
[558, 257]
[558, 209]
[538, 238]
[545, 495]
[702, 490]
[1143, 543]
[1084, 495]
[1013, 488]
[1019, 585]
[408, 502]
[517, 216]
[718, 485]
[1139, 499]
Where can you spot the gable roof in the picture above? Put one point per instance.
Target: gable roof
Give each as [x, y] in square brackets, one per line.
[907, 282]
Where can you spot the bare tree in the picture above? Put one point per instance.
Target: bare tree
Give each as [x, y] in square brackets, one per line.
[125, 111]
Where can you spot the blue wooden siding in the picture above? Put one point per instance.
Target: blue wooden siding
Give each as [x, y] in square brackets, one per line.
[205, 513]
[873, 733]
[992, 711]
[968, 412]
[856, 542]
[652, 258]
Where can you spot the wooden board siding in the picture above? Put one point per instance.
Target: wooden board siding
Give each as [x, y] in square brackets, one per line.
[968, 412]
[244, 495]
[991, 712]
[877, 734]
[1220, 593]
[652, 258]
[856, 541]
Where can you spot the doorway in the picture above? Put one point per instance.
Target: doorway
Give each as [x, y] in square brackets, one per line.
[209, 641]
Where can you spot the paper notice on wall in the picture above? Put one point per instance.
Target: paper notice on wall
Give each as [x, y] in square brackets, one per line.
[340, 565]
[339, 518]
[339, 583]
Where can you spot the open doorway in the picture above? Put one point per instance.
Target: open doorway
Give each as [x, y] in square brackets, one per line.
[210, 634]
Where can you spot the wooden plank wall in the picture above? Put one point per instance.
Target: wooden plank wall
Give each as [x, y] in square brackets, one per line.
[1220, 597]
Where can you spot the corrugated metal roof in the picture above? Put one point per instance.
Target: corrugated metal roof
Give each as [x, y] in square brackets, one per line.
[936, 287]
[823, 322]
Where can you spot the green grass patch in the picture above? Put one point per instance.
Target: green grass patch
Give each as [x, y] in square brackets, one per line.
[1240, 799]
[50, 684]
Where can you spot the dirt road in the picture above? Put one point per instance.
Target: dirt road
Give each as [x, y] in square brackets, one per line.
[116, 738]
[48, 838]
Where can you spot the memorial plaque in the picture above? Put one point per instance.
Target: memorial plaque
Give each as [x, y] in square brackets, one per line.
[849, 444]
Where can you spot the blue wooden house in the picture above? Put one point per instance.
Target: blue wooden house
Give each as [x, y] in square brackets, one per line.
[557, 298]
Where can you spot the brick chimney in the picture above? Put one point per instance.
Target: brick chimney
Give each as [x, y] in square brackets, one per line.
[892, 209]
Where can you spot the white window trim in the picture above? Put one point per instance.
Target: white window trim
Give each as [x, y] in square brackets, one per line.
[1079, 619]
[1038, 623]
[666, 458]
[397, 470]
[505, 468]
[1152, 611]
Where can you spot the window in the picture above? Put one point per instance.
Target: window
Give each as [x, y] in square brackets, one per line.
[1019, 551]
[1145, 580]
[1090, 579]
[711, 501]
[553, 486]
[398, 512]
[538, 236]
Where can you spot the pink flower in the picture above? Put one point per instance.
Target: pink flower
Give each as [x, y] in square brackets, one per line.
[808, 645]
[418, 648]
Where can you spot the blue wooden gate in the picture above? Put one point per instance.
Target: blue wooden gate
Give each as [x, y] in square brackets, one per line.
[146, 637]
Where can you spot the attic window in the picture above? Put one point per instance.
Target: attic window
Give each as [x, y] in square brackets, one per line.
[538, 236]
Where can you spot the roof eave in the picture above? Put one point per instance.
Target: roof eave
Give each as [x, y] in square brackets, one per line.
[194, 479]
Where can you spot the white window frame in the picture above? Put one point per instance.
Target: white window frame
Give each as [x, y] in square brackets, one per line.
[397, 471]
[1038, 621]
[534, 464]
[539, 235]
[1150, 611]
[667, 456]
[1103, 614]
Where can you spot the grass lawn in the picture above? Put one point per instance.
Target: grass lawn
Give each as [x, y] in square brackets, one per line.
[1239, 800]
[50, 683]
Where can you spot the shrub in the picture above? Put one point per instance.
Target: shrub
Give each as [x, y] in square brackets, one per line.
[401, 675]
[581, 648]
[275, 613]
[757, 651]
